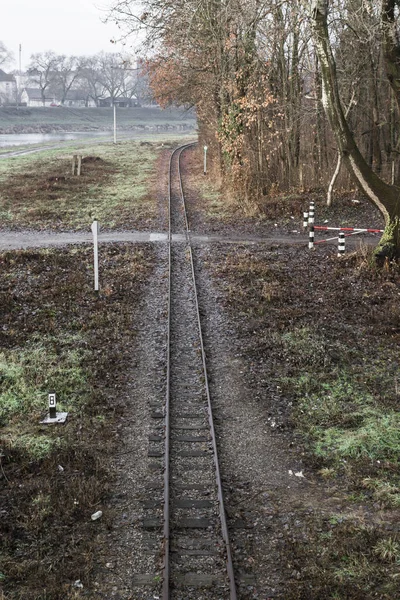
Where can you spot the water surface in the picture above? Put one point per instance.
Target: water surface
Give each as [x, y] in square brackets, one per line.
[22, 139]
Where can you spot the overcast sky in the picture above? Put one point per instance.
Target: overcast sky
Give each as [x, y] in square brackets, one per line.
[64, 26]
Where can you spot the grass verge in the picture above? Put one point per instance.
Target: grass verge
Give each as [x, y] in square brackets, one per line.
[116, 188]
[57, 334]
[324, 333]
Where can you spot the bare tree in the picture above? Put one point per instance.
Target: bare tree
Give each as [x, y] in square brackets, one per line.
[260, 88]
[6, 56]
[386, 197]
[111, 74]
[90, 80]
[68, 72]
[42, 71]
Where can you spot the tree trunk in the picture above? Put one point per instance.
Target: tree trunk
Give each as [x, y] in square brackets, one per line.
[386, 197]
[333, 180]
[295, 97]
[320, 149]
[339, 159]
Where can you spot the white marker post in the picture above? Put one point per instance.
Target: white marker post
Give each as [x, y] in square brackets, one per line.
[115, 123]
[205, 160]
[95, 231]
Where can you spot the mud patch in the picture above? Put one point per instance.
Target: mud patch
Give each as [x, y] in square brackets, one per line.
[47, 195]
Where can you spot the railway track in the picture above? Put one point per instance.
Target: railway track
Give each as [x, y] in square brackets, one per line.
[195, 551]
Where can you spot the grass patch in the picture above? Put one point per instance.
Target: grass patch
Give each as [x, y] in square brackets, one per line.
[341, 418]
[216, 206]
[383, 491]
[345, 560]
[27, 375]
[376, 438]
[341, 410]
[116, 188]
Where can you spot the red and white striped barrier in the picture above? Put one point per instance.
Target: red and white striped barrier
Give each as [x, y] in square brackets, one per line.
[358, 229]
[337, 237]
[308, 220]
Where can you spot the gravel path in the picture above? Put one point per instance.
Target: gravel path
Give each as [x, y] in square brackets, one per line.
[126, 550]
[18, 240]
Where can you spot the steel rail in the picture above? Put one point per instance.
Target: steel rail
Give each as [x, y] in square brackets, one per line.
[166, 526]
[167, 421]
[224, 526]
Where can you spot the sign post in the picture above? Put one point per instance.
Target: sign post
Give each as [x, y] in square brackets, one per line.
[95, 231]
[52, 406]
[54, 417]
[205, 160]
[115, 123]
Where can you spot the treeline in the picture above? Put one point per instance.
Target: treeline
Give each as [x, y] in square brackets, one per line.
[251, 69]
[103, 75]
[94, 77]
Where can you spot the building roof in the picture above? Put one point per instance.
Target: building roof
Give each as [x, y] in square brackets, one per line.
[35, 94]
[75, 95]
[5, 77]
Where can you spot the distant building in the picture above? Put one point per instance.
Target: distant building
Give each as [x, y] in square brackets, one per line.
[75, 99]
[120, 101]
[8, 88]
[33, 97]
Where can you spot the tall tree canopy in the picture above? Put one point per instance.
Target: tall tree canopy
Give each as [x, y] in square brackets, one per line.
[281, 87]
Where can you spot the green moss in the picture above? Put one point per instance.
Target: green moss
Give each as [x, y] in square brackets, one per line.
[377, 438]
[389, 244]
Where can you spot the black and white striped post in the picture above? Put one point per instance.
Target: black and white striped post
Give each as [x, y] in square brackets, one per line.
[311, 238]
[311, 214]
[341, 244]
[305, 220]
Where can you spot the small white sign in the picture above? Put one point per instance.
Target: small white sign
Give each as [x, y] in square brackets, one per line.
[52, 400]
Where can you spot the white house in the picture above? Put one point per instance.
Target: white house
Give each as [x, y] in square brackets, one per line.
[33, 97]
[8, 88]
[74, 99]
[77, 99]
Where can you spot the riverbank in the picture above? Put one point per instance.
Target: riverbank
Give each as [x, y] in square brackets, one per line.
[62, 119]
